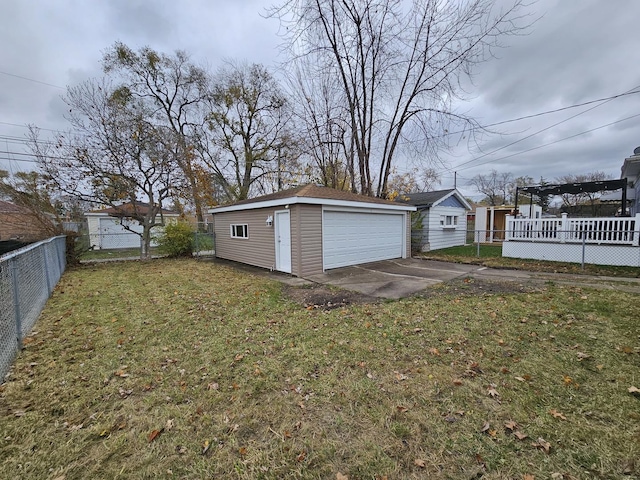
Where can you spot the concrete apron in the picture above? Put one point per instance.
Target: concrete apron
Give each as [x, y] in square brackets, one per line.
[392, 278]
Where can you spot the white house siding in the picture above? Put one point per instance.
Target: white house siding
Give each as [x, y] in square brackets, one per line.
[439, 237]
[258, 249]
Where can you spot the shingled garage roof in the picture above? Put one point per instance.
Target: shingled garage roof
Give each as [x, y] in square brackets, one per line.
[311, 194]
[128, 209]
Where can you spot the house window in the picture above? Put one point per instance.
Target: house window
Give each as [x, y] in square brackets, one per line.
[448, 221]
[240, 231]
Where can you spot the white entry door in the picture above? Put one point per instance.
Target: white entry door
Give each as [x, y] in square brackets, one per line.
[283, 241]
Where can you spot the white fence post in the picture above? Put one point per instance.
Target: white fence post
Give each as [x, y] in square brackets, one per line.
[565, 228]
[508, 228]
[636, 231]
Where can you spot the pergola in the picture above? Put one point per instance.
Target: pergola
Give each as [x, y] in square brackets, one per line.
[575, 188]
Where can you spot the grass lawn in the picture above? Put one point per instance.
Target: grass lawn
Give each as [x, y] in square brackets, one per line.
[114, 253]
[491, 256]
[187, 369]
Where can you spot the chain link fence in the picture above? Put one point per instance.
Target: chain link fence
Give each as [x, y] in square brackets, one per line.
[613, 247]
[27, 278]
[107, 245]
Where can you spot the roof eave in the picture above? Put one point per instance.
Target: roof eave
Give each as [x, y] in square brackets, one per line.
[310, 201]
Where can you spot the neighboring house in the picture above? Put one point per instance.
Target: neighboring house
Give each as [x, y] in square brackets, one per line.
[631, 171]
[19, 223]
[443, 216]
[307, 230]
[491, 222]
[107, 226]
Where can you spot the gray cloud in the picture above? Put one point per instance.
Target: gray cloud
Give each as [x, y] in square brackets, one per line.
[576, 51]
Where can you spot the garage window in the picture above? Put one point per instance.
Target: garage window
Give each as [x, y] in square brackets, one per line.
[448, 221]
[239, 231]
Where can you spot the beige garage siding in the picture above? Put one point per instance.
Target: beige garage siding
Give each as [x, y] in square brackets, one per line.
[306, 239]
[258, 249]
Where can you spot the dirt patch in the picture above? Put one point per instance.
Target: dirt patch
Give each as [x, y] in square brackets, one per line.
[316, 296]
[468, 286]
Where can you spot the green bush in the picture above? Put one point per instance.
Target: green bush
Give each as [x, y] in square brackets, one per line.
[177, 240]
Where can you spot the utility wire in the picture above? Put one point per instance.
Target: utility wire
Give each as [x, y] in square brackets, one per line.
[457, 167]
[554, 142]
[32, 80]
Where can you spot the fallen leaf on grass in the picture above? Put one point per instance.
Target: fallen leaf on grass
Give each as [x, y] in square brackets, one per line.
[124, 393]
[582, 356]
[457, 382]
[634, 390]
[155, 434]
[519, 435]
[242, 451]
[169, 425]
[485, 427]
[301, 456]
[542, 444]
[492, 392]
[510, 425]
[205, 447]
[557, 414]
[402, 409]
[528, 476]
[340, 476]
[181, 449]
[419, 463]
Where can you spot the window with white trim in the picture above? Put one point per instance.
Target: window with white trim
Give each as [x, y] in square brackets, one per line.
[448, 221]
[239, 230]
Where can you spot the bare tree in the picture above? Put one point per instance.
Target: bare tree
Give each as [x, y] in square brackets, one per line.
[399, 66]
[495, 186]
[174, 90]
[412, 181]
[324, 125]
[248, 135]
[573, 200]
[115, 155]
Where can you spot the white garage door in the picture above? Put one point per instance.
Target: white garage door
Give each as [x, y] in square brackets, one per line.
[350, 238]
[114, 235]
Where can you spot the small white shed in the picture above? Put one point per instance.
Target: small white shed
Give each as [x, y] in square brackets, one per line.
[443, 216]
[110, 228]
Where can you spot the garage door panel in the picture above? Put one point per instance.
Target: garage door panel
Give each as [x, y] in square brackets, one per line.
[350, 238]
[114, 235]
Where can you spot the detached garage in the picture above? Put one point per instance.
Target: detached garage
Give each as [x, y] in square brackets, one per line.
[112, 228]
[307, 230]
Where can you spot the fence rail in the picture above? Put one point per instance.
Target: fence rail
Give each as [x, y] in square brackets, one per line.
[27, 278]
[609, 231]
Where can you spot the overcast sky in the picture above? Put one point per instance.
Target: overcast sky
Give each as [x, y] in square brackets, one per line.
[576, 52]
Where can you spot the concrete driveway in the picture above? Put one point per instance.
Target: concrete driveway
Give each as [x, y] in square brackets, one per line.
[393, 278]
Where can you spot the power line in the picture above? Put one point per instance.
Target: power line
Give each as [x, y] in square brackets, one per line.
[554, 142]
[457, 167]
[32, 80]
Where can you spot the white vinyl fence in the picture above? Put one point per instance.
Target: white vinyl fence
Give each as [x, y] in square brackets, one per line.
[27, 278]
[601, 241]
